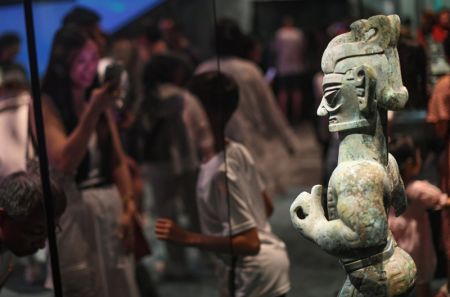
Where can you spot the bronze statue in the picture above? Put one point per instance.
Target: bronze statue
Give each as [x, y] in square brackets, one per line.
[361, 82]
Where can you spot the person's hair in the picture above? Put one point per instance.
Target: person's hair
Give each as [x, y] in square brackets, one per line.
[427, 21]
[166, 68]
[446, 46]
[406, 21]
[152, 34]
[9, 39]
[403, 148]
[57, 84]
[288, 20]
[219, 95]
[229, 39]
[81, 16]
[21, 195]
[68, 41]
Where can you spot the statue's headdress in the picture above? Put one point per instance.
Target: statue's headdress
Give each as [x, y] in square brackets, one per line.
[372, 43]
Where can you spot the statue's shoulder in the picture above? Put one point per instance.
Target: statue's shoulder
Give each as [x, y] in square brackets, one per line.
[361, 171]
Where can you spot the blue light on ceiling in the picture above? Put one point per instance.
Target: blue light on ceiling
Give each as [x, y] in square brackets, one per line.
[48, 17]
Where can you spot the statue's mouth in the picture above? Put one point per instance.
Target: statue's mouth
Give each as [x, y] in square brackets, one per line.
[332, 119]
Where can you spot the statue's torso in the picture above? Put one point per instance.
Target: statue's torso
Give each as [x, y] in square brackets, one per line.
[393, 269]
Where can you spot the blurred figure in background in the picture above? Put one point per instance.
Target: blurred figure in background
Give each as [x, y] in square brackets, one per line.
[427, 22]
[176, 40]
[149, 41]
[175, 132]
[9, 47]
[258, 122]
[439, 116]
[233, 204]
[412, 229]
[84, 148]
[145, 43]
[14, 109]
[23, 227]
[10, 71]
[437, 62]
[252, 50]
[413, 64]
[290, 65]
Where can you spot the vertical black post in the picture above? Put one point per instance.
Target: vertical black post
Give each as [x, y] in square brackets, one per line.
[232, 273]
[43, 161]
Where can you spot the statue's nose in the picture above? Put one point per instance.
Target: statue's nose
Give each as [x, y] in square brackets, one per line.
[321, 110]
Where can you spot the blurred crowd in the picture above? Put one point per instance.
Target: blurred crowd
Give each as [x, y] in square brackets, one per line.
[140, 128]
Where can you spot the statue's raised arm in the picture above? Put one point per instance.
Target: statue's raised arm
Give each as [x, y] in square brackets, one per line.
[361, 82]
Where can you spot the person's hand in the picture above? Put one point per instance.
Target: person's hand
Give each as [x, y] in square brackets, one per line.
[102, 98]
[168, 230]
[444, 201]
[126, 228]
[128, 119]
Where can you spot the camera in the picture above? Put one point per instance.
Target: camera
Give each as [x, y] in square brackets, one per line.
[114, 76]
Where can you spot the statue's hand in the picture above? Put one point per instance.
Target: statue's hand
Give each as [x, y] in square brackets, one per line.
[307, 211]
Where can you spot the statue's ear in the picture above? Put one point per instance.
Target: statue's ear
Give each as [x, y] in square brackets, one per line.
[364, 82]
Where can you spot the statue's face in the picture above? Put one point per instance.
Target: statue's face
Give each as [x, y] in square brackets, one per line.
[342, 102]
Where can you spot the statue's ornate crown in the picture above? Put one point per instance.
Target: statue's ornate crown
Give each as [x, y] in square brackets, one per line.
[375, 38]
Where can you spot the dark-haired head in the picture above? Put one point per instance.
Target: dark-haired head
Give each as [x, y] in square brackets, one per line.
[167, 68]
[229, 39]
[87, 20]
[22, 212]
[219, 95]
[427, 21]
[152, 34]
[407, 156]
[288, 21]
[9, 47]
[82, 16]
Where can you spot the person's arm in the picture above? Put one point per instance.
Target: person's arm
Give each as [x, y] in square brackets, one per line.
[122, 179]
[242, 244]
[67, 151]
[441, 128]
[267, 203]
[426, 195]
[121, 172]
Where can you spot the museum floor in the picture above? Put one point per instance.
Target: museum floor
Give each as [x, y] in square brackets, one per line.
[313, 273]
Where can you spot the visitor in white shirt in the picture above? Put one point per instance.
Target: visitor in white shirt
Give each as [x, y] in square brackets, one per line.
[233, 206]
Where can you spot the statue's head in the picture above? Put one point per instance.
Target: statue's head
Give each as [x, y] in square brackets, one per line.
[362, 73]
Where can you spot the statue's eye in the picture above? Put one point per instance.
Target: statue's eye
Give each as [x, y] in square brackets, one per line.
[330, 96]
[330, 91]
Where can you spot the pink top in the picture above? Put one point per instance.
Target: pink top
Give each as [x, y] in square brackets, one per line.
[412, 229]
[289, 46]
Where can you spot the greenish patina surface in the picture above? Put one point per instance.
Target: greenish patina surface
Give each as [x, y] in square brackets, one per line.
[361, 82]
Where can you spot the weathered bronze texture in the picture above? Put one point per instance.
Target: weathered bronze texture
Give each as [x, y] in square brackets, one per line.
[361, 82]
